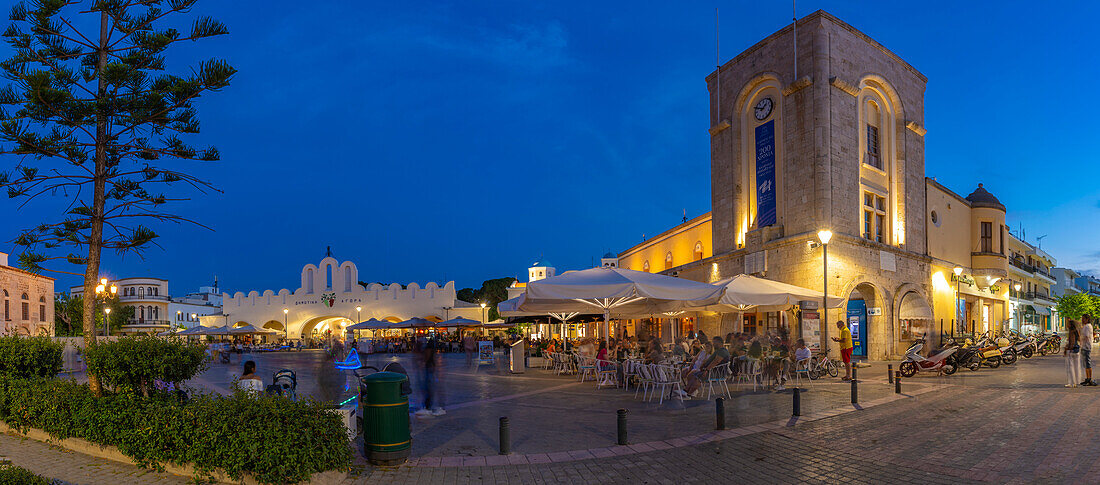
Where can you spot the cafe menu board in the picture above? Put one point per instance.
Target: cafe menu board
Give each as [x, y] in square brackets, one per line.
[811, 328]
[485, 352]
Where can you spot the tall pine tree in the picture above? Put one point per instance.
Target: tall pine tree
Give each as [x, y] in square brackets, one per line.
[90, 114]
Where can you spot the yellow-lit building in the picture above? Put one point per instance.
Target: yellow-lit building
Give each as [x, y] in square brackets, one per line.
[967, 241]
[1031, 308]
[686, 243]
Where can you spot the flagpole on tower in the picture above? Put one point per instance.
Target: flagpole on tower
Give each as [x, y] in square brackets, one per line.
[794, 28]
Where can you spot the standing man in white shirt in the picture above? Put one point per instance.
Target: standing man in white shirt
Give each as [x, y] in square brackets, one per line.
[1086, 349]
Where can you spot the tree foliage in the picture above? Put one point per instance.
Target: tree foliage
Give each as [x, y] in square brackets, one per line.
[491, 293]
[1075, 305]
[92, 115]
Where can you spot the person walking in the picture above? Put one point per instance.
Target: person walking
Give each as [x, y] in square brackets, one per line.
[1086, 350]
[1072, 352]
[845, 341]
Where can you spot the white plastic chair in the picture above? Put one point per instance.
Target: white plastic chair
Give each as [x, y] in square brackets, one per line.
[802, 367]
[607, 372]
[665, 378]
[586, 366]
[645, 380]
[718, 374]
[751, 371]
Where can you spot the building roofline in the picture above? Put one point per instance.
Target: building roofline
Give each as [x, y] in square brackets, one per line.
[944, 188]
[699, 219]
[31, 273]
[821, 14]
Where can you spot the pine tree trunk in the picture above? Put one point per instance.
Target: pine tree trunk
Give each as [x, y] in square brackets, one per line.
[95, 239]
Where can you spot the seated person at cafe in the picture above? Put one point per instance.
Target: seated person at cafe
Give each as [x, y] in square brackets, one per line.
[718, 357]
[801, 351]
[654, 355]
[756, 351]
[679, 349]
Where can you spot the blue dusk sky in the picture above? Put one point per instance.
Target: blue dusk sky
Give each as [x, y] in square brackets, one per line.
[463, 141]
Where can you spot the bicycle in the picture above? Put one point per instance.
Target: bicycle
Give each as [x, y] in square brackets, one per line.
[821, 364]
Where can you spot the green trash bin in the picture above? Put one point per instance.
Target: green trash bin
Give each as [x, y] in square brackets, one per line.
[386, 436]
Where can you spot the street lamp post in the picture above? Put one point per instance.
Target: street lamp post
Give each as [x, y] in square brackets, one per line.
[286, 331]
[106, 291]
[484, 319]
[958, 278]
[1019, 324]
[824, 236]
[107, 322]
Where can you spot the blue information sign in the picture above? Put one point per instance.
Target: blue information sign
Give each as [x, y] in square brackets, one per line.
[765, 174]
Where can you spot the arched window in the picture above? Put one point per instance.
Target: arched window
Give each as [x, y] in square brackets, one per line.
[26, 307]
[309, 280]
[878, 122]
[141, 313]
[697, 254]
[347, 278]
[41, 308]
[645, 266]
[668, 260]
[760, 108]
[7, 308]
[328, 277]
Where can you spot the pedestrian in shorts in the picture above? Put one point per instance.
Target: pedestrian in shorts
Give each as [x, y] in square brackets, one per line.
[1086, 350]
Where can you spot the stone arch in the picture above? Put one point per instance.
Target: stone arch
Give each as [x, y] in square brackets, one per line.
[393, 319]
[307, 327]
[274, 325]
[903, 294]
[879, 333]
[874, 90]
[697, 251]
[433, 318]
[240, 324]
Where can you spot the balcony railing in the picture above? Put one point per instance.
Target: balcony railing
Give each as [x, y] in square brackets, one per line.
[1043, 272]
[143, 297]
[1031, 295]
[146, 321]
[1022, 265]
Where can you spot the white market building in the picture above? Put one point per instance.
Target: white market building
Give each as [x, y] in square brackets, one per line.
[328, 298]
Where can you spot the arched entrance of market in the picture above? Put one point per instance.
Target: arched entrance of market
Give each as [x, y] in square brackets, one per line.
[323, 326]
[274, 325]
[863, 314]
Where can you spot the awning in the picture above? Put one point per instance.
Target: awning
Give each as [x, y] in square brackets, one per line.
[1042, 310]
[1028, 309]
[913, 307]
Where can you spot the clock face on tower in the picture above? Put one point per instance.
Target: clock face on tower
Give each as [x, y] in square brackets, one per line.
[763, 109]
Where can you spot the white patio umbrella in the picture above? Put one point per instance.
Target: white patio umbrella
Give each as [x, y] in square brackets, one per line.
[745, 292]
[459, 322]
[372, 324]
[249, 329]
[620, 290]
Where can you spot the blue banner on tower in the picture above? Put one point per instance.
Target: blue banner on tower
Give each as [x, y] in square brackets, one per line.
[765, 174]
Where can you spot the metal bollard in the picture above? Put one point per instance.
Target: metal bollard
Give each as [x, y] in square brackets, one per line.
[505, 437]
[897, 383]
[622, 426]
[890, 373]
[796, 408]
[720, 413]
[855, 390]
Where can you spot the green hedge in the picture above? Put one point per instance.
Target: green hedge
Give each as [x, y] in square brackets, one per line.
[30, 356]
[13, 475]
[131, 364]
[274, 439]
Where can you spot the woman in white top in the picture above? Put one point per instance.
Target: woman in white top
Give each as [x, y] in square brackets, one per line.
[249, 380]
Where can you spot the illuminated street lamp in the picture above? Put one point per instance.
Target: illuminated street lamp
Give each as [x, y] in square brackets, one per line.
[107, 322]
[286, 332]
[106, 291]
[483, 318]
[825, 236]
[1019, 323]
[958, 277]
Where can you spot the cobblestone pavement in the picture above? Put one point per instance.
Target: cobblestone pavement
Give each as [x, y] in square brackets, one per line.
[76, 468]
[1011, 425]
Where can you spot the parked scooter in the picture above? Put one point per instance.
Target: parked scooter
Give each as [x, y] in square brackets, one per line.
[1008, 351]
[966, 355]
[940, 361]
[990, 352]
[1023, 345]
